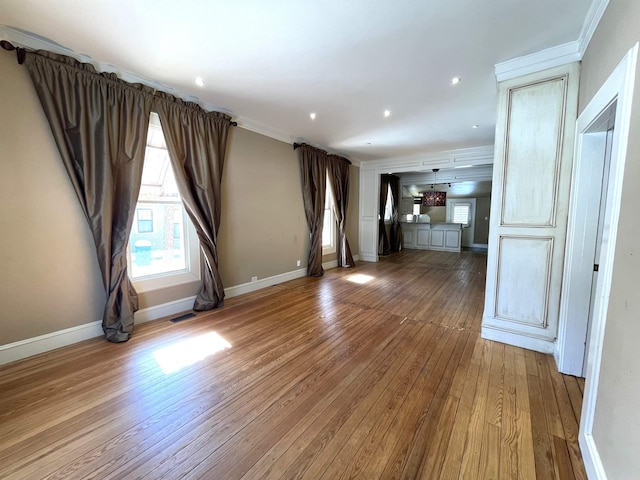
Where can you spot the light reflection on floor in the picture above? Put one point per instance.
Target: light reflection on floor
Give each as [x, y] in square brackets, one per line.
[187, 352]
[360, 278]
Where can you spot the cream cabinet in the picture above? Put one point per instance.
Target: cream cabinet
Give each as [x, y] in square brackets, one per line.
[432, 236]
[531, 179]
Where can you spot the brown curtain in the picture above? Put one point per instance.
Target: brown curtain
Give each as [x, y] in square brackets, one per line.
[338, 172]
[383, 239]
[395, 242]
[100, 127]
[313, 171]
[197, 142]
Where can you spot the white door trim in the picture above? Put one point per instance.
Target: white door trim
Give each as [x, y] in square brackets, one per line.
[618, 87]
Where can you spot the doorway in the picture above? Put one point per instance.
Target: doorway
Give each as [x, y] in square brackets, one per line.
[602, 136]
[584, 238]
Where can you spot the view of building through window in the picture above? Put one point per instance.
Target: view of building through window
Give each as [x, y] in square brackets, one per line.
[156, 242]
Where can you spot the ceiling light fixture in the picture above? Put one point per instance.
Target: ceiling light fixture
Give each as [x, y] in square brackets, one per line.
[475, 126]
[312, 116]
[387, 113]
[455, 80]
[199, 82]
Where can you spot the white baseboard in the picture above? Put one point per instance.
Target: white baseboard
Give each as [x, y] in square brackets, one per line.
[164, 310]
[330, 265]
[50, 341]
[591, 458]
[241, 289]
[517, 340]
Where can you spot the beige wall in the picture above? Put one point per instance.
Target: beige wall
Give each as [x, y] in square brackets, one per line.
[49, 278]
[436, 214]
[263, 228]
[617, 422]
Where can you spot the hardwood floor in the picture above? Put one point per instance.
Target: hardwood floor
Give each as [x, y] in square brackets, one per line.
[372, 372]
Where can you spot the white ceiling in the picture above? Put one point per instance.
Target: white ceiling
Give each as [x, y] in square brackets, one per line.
[270, 64]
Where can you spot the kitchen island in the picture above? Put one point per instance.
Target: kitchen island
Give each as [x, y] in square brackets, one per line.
[432, 236]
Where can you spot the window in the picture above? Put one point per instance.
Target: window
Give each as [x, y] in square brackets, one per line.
[329, 225]
[388, 206]
[145, 220]
[461, 213]
[163, 248]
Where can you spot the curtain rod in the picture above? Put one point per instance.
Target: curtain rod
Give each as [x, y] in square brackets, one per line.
[21, 52]
[9, 47]
[298, 145]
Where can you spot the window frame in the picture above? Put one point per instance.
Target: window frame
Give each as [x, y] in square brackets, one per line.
[329, 248]
[138, 219]
[388, 206]
[192, 270]
[467, 205]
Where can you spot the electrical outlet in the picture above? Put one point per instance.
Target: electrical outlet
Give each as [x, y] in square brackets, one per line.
[254, 279]
[297, 263]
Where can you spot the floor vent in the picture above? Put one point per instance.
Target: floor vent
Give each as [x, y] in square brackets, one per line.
[183, 317]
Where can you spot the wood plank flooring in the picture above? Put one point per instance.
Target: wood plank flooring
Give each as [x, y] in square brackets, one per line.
[373, 372]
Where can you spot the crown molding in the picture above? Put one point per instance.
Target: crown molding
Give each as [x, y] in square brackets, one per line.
[428, 161]
[538, 61]
[594, 15]
[554, 56]
[262, 129]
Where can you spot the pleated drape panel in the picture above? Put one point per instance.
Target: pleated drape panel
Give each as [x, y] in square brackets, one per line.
[99, 124]
[338, 173]
[383, 238]
[197, 142]
[313, 172]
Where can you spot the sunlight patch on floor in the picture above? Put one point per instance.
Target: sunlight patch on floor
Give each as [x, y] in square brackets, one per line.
[187, 352]
[360, 278]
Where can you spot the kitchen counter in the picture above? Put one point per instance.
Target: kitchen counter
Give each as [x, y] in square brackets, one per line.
[432, 236]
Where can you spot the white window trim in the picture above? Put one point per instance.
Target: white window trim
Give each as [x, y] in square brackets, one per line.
[193, 260]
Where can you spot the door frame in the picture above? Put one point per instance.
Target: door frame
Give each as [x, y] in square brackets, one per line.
[450, 203]
[617, 88]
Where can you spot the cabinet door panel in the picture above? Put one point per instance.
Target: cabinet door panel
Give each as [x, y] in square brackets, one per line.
[437, 238]
[423, 237]
[533, 153]
[523, 279]
[452, 239]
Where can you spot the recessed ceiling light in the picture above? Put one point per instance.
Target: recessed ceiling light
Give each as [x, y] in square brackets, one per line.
[475, 126]
[387, 113]
[455, 80]
[199, 81]
[312, 116]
